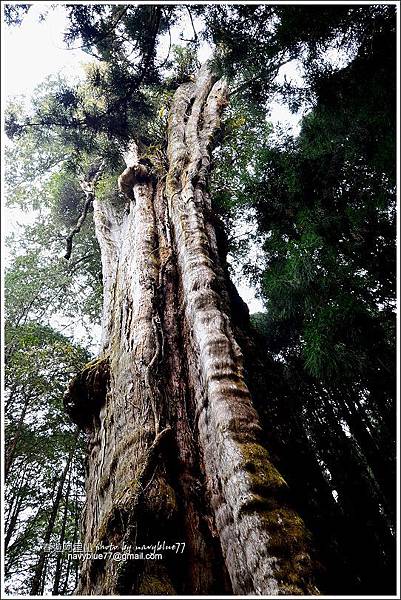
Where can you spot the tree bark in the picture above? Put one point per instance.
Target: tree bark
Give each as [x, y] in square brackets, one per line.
[174, 448]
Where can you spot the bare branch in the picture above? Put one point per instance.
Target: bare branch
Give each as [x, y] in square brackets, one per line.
[88, 188]
[195, 38]
[274, 71]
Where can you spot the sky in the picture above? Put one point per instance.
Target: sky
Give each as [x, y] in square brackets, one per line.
[36, 49]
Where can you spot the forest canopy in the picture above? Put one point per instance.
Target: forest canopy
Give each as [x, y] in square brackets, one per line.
[317, 203]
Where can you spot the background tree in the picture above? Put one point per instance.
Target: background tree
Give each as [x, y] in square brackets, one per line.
[325, 209]
[38, 502]
[43, 296]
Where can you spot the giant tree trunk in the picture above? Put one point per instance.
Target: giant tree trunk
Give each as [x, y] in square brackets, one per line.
[174, 441]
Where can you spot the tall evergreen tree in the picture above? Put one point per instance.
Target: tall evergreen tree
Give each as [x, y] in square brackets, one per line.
[174, 442]
[325, 208]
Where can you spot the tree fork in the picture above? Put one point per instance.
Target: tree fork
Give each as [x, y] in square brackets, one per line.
[176, 393]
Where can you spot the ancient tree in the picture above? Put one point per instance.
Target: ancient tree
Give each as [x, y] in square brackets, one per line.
[174, 441]
[175, 450]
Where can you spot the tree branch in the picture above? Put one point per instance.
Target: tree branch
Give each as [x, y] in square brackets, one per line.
[88, 188]
[195, 38]
[274, 72]
[169, 47]
[101, 36]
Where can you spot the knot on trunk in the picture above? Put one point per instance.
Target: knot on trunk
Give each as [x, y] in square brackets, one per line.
[133, 175]
[86, 393]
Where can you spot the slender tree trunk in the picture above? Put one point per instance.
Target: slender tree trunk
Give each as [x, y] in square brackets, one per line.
[39, 572]
[15, 549]
[13, 521]
[59, 561]
[15, 508]
[174, 442]
[10, 452]
[74, 539]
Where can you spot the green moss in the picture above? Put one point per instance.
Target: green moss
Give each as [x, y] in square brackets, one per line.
[262, 473]
[161, 499]
[267, 487]
[290, 540]
[155, 585]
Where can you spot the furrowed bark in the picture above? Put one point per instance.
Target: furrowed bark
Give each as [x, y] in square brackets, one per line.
[174, 442]
[255, 526]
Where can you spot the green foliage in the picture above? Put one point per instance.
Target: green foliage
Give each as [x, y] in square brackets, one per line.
[325, 207]
[332, 201]
[321, 207]
[43, 295]
[252, 41]
[104, 110]
[325, 213]
[244, 129]
[40, 284]
[184, 64]
[40, 362]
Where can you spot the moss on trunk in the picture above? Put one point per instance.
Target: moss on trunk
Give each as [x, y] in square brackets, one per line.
[175, 452]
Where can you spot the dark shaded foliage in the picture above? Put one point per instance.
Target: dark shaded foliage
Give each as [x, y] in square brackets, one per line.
[15, 13]
[325, 205]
